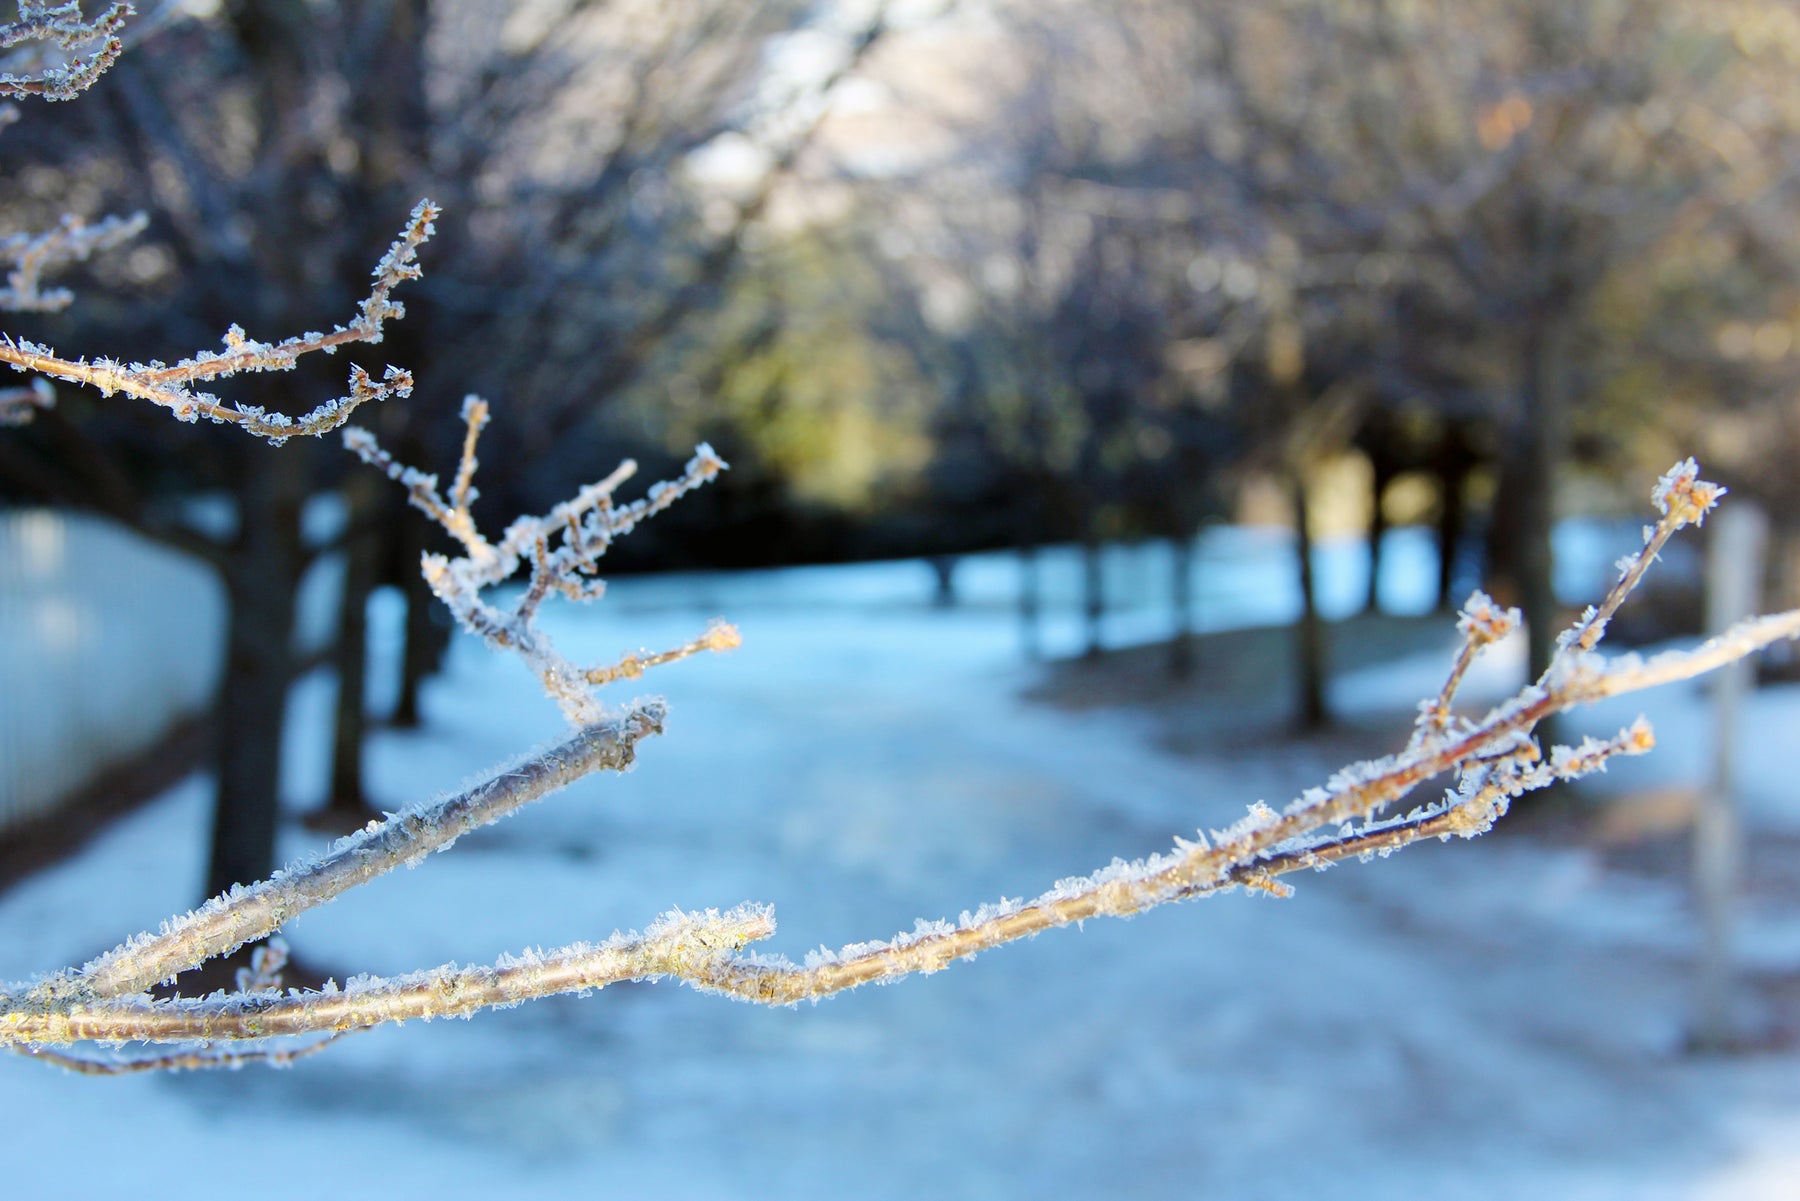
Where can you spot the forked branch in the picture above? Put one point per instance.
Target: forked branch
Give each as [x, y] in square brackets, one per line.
[563, 548]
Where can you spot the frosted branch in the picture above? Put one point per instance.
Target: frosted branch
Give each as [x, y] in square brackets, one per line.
[90, 47]
[719, 636]
[1683, 498]
[1481, 624]
[688, 946]
[1631, 674]
[244, 915]
[563, 549]
[1493, 759]
[172, 386]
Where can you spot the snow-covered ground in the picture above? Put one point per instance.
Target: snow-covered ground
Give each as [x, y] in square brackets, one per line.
[1489, 1020]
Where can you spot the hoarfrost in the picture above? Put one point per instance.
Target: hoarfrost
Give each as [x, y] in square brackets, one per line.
[1260, 817]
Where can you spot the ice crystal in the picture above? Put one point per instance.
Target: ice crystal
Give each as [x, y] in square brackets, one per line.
[1683, 496]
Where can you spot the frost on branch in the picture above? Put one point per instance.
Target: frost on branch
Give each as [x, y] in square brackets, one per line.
[1683, 497]
[1490, 760]
[1481, 624]
[56, 53]
[175, 386]
[563, 548]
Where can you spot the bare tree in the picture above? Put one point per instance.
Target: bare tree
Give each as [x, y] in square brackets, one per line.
[1517, 168]
[278, 140]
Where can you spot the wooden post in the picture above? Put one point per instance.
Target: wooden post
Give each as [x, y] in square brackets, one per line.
[1734, 576]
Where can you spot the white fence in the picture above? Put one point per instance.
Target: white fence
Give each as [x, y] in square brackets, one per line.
[106, 640]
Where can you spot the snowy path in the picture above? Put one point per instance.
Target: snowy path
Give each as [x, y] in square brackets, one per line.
[1458, 1022]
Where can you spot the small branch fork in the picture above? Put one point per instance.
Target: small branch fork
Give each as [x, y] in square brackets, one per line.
[173, 386]
[563, 547]
[1494, 759]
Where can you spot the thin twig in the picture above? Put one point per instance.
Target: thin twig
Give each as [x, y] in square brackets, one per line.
[719, 636]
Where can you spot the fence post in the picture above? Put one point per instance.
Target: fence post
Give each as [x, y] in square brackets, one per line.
[1734, 577]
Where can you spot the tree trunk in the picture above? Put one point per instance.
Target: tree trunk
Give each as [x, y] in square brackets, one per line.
[1309, 650]
[943, 571]
[1379, 482]
[428, 623]
[1541, 453]
[1031, 602]
[262, 576]
[350, 655]
[1093, 591]
[1451, 466]
[1181, 598]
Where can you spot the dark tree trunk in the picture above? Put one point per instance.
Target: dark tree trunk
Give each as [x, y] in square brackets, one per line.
[428, 623]
[1093, 591]
[1181, 599]
[262, 576]
[1383, 476]
[1309, 650]
[943, 570]
[1541, 453]
[1521, 560]
[350, 656]
[1031, 601]
[265, 561]
[1451, 466]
